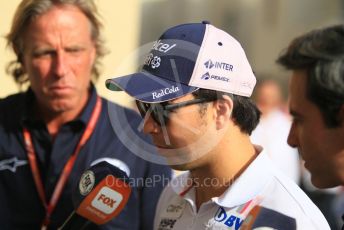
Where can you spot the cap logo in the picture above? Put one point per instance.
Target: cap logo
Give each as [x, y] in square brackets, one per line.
[163, 47]
[218, 65]
[219, 78]
[164, 92]
[153, 61]
[209, 64]
[207, 76]
[247, 85]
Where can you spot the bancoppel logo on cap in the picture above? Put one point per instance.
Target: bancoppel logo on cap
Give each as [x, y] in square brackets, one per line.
[152, 61]
[86, 182]
[107, 200]
[155, 63]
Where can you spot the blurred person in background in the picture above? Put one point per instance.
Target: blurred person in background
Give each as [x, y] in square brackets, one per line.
[273, 128]
[58, 47]
[316, 103]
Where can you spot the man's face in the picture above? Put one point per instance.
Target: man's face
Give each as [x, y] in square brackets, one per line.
[58, 57]
[187, 136]
[318, 145]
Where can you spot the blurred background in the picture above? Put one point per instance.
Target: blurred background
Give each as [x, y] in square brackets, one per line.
[264, 28]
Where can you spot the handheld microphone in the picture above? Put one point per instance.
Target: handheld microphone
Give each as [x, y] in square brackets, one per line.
[102, 193]
[265, 218]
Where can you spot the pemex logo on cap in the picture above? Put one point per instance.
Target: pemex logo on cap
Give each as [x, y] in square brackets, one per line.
[206, 76]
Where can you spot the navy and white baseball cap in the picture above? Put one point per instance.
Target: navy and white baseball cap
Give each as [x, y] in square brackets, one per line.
[186, 58]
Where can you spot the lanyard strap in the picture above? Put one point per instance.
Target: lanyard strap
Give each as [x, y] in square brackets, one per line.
[67, 168]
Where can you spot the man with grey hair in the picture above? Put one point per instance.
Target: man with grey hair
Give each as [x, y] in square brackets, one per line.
[52, 133]
[317, 102]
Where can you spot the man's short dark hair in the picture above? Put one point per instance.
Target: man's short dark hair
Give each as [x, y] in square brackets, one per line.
[321, 54]
[245, 113]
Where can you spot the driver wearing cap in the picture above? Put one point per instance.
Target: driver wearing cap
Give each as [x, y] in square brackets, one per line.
[193, 93]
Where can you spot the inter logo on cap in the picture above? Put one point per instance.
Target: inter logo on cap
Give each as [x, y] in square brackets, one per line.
[218, 65]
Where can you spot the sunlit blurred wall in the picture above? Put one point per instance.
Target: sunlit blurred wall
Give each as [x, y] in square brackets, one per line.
[121, 28]
[264, 27]
[267, 26]
[7, 9]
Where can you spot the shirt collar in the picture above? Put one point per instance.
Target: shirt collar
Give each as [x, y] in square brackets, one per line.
[181, 184]
[27, 105]
[87, 111]
[250, 184]
[246, 187]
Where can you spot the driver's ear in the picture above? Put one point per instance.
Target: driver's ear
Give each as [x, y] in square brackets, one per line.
[222, 111]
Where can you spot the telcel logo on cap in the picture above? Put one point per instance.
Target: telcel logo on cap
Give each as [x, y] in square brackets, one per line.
[162, 47]
[107, 200]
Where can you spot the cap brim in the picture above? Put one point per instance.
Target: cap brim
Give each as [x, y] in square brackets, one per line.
[148, 88]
